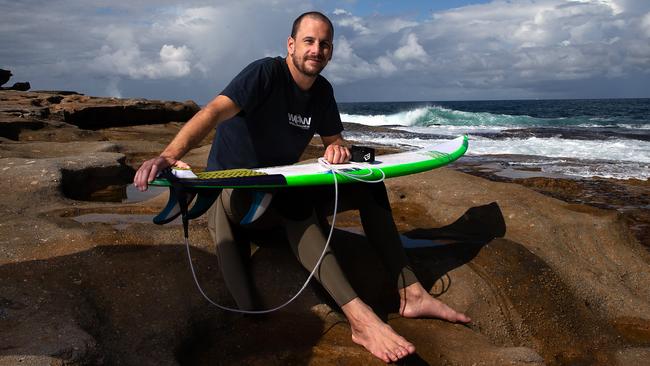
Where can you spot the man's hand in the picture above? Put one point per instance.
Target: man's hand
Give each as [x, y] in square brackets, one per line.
[150, 169]
[337, 154]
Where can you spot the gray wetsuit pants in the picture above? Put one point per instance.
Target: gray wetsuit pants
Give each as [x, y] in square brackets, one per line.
[301, 211]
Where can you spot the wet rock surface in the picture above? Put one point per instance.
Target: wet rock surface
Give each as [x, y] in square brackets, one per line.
[546, 278]
[631, 197]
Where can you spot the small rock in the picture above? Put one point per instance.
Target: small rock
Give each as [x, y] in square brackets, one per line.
[21, 86]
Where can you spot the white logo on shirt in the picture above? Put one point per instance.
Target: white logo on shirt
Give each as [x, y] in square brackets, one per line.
[299, 121]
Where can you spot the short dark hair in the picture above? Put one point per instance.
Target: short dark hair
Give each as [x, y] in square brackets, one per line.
[311, 14]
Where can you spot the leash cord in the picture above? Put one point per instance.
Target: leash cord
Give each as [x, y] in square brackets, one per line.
[334, 171]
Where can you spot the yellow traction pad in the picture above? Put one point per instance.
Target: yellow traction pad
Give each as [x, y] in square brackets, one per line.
[230, 173]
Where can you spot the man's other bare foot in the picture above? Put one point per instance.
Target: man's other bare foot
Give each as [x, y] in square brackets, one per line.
[375, 335]
[416, 302]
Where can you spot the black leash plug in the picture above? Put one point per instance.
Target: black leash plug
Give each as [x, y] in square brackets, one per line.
[362, 154]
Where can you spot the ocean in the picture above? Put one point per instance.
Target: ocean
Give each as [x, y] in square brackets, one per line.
[607, 138]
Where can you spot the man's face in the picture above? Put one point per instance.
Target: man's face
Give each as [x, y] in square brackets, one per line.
[312, 48]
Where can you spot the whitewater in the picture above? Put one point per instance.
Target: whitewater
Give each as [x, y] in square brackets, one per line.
[574, 138]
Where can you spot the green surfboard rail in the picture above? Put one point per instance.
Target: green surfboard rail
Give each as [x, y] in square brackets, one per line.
[437, 160]
[440, 160]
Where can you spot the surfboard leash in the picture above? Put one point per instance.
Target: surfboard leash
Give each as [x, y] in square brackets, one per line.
[182, 197]
[304, 286]
[178, 190]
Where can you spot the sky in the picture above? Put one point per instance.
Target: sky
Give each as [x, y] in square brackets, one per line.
[383, 50]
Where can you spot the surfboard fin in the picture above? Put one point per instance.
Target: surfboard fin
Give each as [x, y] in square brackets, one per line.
[173, 208]
[261, 201]
[204, 201]
[177, 194]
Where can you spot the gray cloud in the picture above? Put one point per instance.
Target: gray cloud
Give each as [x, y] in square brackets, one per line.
[516, 47]
[171, 50]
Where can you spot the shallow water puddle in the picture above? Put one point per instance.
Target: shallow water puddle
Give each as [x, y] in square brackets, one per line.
[124, 193]
[134, 195]
[118, 221]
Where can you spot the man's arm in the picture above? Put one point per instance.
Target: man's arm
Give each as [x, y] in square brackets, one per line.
[218, 110]
[336, 150]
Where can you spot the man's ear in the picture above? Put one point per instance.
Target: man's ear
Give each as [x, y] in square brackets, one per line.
[291, 44]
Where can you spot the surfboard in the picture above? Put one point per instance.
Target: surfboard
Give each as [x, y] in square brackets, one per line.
[185, 185]
[392, 165]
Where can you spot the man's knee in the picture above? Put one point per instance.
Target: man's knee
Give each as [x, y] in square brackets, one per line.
[235, 203]
[296, 204]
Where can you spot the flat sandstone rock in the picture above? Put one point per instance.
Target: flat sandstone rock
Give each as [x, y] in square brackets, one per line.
[545, 281]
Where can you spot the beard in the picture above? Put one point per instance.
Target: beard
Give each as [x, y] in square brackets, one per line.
[301, 64]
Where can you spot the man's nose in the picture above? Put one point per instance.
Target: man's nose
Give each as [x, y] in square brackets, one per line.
[316, 48]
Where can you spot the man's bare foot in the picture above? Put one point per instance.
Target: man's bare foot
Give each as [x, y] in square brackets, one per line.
[416, 302]
[375, 335]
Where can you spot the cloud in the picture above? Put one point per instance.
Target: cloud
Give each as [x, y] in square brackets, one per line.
[123, 56]
[347, 66]
[346, 19]
[192, 49]
[515, 45]
[411, 50]
[645, 25]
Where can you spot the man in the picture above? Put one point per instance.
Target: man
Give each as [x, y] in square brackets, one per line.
[266, 116]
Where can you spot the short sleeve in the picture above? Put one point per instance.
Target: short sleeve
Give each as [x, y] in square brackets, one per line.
[331, 124]
[251, 86]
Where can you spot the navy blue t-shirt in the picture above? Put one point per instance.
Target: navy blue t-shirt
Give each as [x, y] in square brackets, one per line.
[277, 119]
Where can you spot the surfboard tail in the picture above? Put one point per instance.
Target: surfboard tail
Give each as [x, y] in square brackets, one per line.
[180, 199]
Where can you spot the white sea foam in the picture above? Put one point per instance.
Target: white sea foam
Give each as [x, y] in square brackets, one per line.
[645, 126]
[604, 170]
[620, 159]
[453, 131]
[436, 116]
[603, 156]
[406, 118]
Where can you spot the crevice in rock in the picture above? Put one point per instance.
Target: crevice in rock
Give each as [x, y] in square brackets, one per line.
[99, 117]
[98, 184]
[12, 130]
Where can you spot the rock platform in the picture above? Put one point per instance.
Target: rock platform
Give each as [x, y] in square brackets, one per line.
[546, 281]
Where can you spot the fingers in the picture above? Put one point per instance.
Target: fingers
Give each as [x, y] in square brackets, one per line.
[182, 165]
[141, 178]
[337, 154]
[153, 172]
[150, 169]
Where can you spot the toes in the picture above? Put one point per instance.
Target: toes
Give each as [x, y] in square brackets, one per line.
[388, 356]
[392, 356]
[406, 346]
[410, 348]
[403, 352]
[395, 351]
